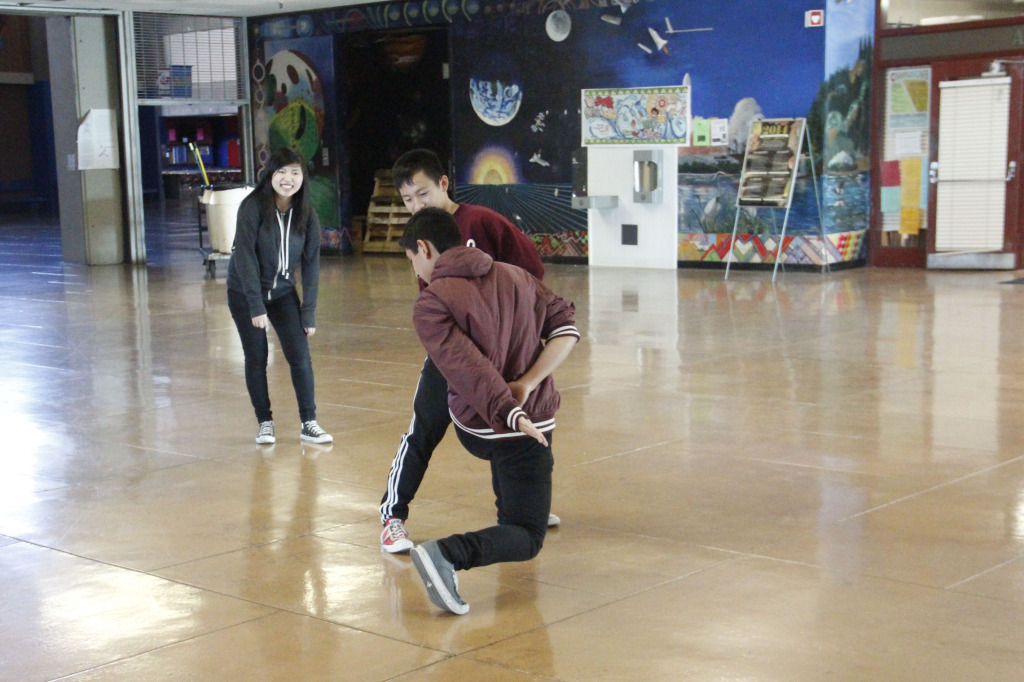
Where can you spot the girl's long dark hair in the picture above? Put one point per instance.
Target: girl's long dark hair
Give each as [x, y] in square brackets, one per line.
[264, 192]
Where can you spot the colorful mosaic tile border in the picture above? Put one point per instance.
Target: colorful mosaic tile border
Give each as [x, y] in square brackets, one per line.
[841, 247]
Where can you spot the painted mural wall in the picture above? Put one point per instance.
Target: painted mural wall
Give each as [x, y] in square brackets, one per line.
[295, 104]
[517, 70]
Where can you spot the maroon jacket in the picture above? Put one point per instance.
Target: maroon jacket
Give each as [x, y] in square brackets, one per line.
[495, 235]
[483, 324]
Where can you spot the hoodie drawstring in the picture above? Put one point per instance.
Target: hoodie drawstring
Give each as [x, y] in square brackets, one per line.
[282, 255]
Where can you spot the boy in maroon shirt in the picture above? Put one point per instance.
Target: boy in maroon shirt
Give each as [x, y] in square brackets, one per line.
[420, 179]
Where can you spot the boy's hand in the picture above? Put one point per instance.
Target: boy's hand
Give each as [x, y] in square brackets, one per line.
[526, 426]
[520, 391]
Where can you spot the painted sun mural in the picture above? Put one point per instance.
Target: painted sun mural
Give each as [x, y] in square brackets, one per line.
[494, 166]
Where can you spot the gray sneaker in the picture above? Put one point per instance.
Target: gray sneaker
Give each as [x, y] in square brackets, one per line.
[266, 434]
[438, 575]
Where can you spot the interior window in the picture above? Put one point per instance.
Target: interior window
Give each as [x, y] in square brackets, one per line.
[909, 13]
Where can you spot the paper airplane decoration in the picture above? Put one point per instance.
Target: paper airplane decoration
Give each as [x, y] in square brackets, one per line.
[659, 42]
[670, 30]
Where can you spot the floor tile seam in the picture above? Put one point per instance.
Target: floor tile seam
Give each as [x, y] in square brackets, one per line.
[50, 301]
[738, 556]
[65, 351]
[831, 434]
[375, 410]
[15, 326]
[385, 327]
[938, 486]
[952, 587]
[812, 467]
[304, 614]
[23, 269]
[576, 387]
[153, 572]
[625, 452]
[130, 410]
[468, 655]
[364, 382]
[97, 481]
[897, 581]
[48, 368]
[146, 652]
[394, 363]
[734, 553]
[326, 356]
[735, 556]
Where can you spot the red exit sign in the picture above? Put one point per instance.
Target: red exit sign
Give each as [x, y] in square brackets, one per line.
[814, 18]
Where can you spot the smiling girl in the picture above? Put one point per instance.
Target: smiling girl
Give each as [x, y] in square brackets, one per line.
[277, 234]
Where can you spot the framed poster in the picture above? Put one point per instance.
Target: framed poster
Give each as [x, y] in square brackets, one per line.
[770, 162]
[637, 116]
[907, 98]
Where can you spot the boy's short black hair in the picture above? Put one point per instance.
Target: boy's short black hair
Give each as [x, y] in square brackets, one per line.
[434, 225]
[414, 161]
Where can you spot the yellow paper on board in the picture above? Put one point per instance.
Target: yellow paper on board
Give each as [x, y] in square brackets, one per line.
[910, 187]
[910, 220]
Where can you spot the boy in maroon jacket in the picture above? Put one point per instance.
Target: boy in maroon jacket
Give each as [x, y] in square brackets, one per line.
[496, 334]
[420, 179]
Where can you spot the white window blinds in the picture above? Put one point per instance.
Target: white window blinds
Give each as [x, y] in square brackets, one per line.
[971, 193]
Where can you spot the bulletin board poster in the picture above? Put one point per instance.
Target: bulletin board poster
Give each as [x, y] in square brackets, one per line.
[771, 161]
[659, 115]
[907, 97]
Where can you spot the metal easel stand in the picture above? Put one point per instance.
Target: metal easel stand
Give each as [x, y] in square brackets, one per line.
[789, 204]
[826, 266]
[782, 238]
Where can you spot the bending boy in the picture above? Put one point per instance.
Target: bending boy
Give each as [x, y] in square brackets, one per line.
[420, 179]
[496, 334]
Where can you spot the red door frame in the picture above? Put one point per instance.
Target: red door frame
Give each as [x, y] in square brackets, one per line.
[972, 65]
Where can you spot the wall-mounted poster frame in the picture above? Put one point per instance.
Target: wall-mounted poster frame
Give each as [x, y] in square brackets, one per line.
[658, 115]
[771, 163]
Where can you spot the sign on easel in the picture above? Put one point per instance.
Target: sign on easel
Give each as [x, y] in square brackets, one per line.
[771, 161]
[768, 178]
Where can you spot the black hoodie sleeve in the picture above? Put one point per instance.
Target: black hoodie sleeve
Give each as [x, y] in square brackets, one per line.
[310, 270]
[246, 261]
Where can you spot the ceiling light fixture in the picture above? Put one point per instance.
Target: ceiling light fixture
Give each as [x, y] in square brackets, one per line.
[951, 19]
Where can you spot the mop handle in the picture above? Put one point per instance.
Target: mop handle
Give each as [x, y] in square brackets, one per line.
[199, 160]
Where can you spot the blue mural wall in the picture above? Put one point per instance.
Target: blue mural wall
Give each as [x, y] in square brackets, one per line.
[517, 70]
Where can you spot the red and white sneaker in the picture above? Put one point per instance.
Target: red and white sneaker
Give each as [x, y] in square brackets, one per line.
[393, 538]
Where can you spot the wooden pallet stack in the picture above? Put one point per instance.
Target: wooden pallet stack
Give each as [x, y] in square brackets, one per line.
[385, 217]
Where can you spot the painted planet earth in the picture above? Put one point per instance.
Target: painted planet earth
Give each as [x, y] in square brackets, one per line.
[494, 101]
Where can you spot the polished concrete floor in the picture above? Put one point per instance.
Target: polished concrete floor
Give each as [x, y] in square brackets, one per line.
[817, 480]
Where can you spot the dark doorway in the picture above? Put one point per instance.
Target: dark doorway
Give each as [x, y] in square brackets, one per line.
[398, 98]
